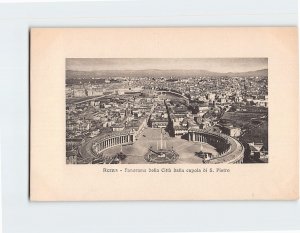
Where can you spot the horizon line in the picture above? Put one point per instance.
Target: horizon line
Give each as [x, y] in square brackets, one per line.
[170, 69]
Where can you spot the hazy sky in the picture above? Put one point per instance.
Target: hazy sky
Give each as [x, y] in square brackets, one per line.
[211, 64]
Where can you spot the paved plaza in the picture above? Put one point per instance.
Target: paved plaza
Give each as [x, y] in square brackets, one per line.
[151, 137]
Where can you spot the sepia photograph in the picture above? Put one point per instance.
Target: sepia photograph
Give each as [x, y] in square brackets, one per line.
[166, 110]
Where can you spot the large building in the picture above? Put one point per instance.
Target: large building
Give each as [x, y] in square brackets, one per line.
[159, 122]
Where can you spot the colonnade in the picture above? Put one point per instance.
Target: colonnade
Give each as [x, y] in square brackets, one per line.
[225, 145]
[112, 140]
[221, 144]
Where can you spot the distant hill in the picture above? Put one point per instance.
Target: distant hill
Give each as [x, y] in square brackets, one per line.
[159, 73]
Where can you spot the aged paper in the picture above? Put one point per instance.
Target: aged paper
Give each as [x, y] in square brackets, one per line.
[163, 114]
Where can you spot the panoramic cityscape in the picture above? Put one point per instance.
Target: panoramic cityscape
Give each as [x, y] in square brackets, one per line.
[166, 110]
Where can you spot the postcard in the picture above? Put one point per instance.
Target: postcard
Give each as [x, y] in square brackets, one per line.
[163, 114]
